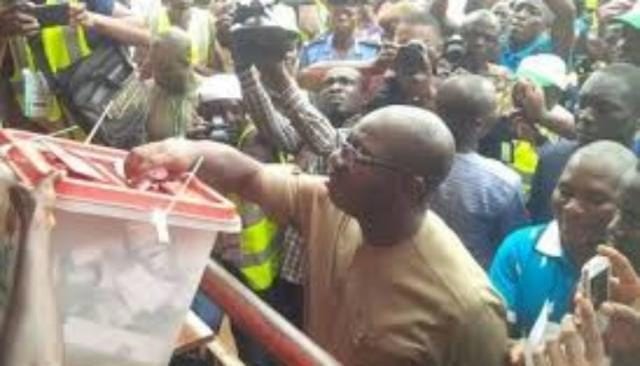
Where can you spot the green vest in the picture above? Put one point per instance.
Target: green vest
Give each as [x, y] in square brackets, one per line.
[261, 254]
[199, 32]
[63, 46]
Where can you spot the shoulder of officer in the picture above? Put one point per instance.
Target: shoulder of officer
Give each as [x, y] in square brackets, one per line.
[369, 44]
[320, 40]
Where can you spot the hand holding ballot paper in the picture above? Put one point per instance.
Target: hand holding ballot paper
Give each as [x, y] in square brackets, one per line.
[117, 278]
[160, 161]
[578, 344]
[606, 322]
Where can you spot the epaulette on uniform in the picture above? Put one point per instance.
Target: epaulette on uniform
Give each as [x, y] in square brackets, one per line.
[370, 43]
[318, 40]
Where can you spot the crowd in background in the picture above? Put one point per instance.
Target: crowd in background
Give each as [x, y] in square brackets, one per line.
[496, 149]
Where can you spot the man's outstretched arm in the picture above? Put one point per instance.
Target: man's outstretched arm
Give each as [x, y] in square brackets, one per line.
[223, 168]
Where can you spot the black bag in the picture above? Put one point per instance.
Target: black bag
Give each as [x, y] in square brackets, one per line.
[87, 87]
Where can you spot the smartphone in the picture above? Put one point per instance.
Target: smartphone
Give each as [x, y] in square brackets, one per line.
[596, 274]
[50, 15]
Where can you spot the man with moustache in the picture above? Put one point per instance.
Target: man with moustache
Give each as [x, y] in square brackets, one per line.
[387, 283]
[542, 262]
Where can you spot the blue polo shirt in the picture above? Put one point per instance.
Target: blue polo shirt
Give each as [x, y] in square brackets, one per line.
[530, 268]
[322, 50]
[511, 57]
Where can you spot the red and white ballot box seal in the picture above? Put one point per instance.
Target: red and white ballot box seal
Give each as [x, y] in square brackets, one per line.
[124, 292]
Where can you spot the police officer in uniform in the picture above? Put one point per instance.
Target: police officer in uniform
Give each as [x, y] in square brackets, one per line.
[340, 43]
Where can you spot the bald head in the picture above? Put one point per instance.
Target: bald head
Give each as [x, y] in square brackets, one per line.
[480, 18]
[175, 43]
[609, 158]
[170, 60]
[608, 106]
[628, 76]
[465, 103]
[413, 138]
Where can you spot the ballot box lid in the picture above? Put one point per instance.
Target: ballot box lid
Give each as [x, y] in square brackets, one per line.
[95, 183]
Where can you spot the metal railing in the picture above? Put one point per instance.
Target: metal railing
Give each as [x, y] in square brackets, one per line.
[284, 341]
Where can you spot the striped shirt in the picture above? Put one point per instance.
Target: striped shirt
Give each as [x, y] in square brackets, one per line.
[482, 201]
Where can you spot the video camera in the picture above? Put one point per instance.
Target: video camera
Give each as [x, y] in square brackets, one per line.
[257, 34]
[411, 58]
[247, 9]
[455, 50]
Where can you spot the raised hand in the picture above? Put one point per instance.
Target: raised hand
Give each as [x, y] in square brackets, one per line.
[15, 21]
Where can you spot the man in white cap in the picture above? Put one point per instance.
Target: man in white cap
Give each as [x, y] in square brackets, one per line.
[549, 80]
[537, 117]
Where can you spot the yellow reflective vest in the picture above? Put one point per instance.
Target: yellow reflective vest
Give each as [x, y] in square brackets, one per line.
[261, 257]
[199, 31]
[261, 252]
[525, 162]
[63, 46]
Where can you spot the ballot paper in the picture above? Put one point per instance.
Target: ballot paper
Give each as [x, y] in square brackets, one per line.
[542, 329]
[87, 255]
[95, 344]
[219, 87]
[118, 168]
[142, 291]
[145, 244]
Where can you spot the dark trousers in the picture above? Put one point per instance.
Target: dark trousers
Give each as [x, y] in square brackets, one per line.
[284, 297]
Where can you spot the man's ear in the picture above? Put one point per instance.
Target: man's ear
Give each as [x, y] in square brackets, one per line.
[480, 126]
[418, 186]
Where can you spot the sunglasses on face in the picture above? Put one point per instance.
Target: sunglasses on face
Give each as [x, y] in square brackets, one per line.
[352, 155]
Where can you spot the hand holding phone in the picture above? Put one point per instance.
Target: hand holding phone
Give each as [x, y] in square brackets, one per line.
[15, 21]
[596, 274]
[49, 15]
[80, 16]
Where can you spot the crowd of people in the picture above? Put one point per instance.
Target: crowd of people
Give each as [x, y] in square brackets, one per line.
[415, 187]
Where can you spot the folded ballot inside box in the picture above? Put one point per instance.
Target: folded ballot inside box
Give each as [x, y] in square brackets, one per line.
[123, 291]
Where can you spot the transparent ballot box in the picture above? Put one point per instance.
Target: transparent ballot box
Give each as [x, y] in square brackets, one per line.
[124, 280]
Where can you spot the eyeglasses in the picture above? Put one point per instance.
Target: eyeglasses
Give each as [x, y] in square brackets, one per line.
[352, 155]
